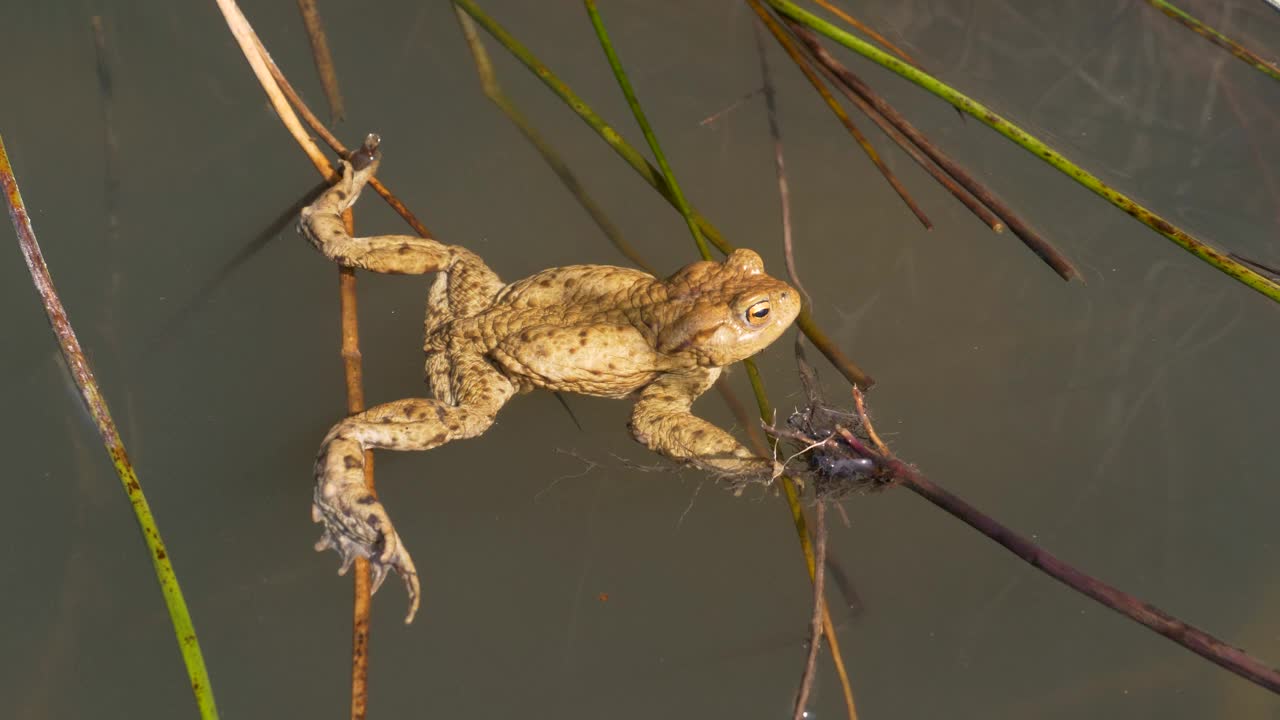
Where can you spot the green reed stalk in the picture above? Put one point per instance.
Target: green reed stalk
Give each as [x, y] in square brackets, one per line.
[634, 103]
[183, 628]
[493, 90]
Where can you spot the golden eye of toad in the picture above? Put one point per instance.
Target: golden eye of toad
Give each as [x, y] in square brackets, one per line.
[758, 313]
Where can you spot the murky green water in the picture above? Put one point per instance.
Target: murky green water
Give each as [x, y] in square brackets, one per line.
[1128, 424]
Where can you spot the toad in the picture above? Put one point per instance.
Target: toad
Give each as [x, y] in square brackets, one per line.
[590, 329]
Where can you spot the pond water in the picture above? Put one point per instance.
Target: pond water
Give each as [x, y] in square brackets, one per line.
[1127, 424]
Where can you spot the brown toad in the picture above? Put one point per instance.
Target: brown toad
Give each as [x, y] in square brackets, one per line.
[591, 329]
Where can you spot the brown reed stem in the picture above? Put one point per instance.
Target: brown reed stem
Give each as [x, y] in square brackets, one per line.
[362, 595]
[789, 45]
[937, 173]
[334, 144]
[1198, 641]
[1190, 637]
[1029, 237]
[867, 30]
[258, 59]
[819, 610]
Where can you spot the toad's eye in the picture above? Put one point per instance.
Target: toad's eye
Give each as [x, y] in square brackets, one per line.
[758, 313]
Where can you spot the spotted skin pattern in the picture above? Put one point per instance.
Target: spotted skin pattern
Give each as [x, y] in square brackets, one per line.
[589, 329]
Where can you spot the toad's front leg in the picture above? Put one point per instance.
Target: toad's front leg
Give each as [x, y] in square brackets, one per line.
[662, 421]
[355, 522]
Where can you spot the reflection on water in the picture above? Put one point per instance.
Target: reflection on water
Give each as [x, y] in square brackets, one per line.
[1123, 423]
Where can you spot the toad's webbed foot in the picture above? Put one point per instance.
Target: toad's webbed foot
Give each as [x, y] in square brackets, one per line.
[356, 525]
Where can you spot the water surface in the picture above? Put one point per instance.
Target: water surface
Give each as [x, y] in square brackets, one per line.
[1127, 424]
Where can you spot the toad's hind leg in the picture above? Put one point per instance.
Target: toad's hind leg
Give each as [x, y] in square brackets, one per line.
[355, 522]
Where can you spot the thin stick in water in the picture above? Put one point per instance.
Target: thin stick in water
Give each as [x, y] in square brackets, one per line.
[819, 609]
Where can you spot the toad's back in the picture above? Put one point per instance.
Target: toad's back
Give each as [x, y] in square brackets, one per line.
[589, 329]
[582, 328]
[570, 296]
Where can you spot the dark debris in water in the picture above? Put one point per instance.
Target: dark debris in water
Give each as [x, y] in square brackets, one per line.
[833, 443]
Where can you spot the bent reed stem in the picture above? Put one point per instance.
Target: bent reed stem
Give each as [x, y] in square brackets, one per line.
[96, 404]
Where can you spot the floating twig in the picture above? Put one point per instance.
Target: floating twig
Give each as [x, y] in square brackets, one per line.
[78, 364]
